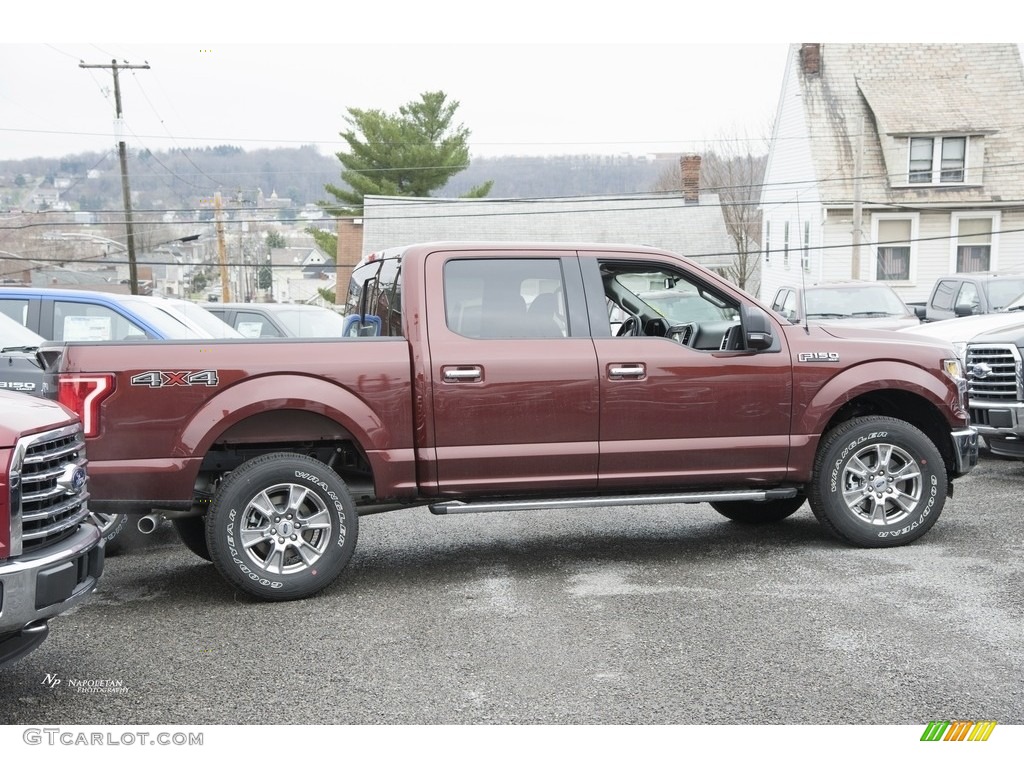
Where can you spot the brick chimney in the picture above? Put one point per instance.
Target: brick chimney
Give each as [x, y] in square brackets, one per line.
[350, 251]
[810, 58]
[689, 168]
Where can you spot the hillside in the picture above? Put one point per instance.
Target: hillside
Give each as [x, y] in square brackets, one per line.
[181, 179]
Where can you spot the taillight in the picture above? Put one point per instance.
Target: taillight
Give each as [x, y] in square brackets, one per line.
[83, 395]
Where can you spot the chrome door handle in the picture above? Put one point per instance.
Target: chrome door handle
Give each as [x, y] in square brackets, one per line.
[463, 373]
[627, 371]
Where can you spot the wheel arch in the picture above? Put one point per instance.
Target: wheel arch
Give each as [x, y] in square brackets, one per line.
[303, 411]
[883, 388]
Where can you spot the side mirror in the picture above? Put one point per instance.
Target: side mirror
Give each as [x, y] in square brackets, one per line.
[921, 312]
[757, 329]
[963, 310]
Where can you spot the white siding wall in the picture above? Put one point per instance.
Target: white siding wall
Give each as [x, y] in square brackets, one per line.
[790, 193]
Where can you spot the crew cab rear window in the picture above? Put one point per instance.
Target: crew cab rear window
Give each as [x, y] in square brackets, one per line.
[505, 298]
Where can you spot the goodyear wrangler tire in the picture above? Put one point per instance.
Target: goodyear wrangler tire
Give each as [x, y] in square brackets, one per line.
[878, 482]
[759, 512]
[281, 527]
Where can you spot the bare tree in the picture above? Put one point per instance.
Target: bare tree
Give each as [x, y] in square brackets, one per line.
[737, 181]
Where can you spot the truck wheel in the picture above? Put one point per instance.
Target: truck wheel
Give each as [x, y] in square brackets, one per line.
[878, 482]
[282, 526]
[754, 512]
[192, 532]
[111, 527]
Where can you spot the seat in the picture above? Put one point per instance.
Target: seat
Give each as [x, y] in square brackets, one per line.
[541, 317]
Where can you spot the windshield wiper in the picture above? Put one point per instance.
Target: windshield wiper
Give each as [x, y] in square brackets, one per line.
[18, 349]
[872, 314]
[826, 314]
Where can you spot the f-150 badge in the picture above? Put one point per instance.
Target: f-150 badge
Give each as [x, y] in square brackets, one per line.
[818, 357]
[175, 379]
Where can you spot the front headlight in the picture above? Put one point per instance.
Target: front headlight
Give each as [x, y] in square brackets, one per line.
[954, 368]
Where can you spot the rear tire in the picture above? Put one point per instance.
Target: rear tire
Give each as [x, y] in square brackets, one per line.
[878, 482]
[111, 527]
[282, 526]
[759, 512]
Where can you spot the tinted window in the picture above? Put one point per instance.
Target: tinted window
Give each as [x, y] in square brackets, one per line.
[505, 298]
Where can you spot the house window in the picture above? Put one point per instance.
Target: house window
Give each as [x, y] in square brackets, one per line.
[974, 243]
[894, 240]
[806, 256]
[938, 160]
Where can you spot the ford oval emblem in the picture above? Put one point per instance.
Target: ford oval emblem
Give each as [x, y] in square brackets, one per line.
[981, 370]
[72, 479]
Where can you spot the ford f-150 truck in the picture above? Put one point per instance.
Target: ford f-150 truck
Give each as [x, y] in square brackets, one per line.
[50, 554]
[995, 375]
[495, 382]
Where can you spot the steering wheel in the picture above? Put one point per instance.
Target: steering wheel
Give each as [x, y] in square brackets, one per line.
[630, 327]
[683, 333]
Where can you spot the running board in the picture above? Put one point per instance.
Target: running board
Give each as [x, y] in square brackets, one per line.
[699, 497]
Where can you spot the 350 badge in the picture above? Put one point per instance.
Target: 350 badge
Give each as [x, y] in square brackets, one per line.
[175, 379]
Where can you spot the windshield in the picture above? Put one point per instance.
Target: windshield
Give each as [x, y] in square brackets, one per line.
[14, 334]
[685, 306]
[203, 318]
[1004, 293]
[853, 301]
[311, 322]
[164, 319]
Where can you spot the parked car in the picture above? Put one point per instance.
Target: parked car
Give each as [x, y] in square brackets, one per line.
[958, 331]
[263, 321]
[970, 293]
[847, 303]
[51, 556]
[65, 314]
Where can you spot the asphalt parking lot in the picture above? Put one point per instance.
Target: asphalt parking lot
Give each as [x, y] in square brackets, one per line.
[649, 615]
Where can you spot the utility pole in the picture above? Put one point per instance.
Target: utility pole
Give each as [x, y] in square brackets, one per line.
[133, 273]
[858, 203]
[225, 286]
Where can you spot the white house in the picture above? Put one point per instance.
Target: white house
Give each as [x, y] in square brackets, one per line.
[895, 162]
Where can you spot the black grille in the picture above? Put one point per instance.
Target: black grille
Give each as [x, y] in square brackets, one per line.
[51, 509]
[993, 373]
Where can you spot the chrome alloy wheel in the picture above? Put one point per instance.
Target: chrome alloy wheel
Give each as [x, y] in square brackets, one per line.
[286, 528]
[882, 484]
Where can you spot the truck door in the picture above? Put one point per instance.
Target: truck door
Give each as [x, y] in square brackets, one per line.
[683, 401]
[514, 377]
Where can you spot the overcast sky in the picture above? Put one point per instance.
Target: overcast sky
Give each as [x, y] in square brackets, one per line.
[517, 99]
[531, 77]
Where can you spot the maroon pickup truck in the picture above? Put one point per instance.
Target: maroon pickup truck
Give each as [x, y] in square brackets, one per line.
[51, 555]
[504, 376]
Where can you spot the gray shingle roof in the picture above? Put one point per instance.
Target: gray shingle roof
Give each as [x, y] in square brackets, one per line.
[970, 88]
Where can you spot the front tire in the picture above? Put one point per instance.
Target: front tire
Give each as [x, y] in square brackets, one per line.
[759, 512]
[878, 482]
[282, 526]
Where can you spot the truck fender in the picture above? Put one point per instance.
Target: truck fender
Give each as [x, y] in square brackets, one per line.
[302, 393]
[862, 379]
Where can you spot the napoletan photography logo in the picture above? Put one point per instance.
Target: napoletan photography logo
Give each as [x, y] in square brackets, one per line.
[958, 730]
[104, 686]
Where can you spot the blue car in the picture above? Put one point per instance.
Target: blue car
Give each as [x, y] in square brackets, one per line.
[60, 314]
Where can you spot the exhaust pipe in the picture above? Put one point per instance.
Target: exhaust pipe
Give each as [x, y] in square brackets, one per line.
[149, 523]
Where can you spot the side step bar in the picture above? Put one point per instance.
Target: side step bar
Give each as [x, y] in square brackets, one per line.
[697, 497]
